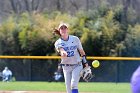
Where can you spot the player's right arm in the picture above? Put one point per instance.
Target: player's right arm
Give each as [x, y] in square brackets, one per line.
[60, 49]
[62, 52]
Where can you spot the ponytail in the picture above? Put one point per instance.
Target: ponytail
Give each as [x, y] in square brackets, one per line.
[55, 31]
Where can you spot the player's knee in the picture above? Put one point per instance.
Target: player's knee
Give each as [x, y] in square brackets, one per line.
[74, 86]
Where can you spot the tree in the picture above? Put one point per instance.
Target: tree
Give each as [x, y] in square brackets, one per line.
[132, 41]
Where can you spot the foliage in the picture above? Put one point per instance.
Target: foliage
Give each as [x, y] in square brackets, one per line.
[132, 41]
[110, 31]
[6, 39]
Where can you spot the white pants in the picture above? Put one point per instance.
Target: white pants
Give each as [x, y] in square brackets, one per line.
[72, 76]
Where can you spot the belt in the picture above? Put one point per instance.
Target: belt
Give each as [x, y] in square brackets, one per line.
[69, 64]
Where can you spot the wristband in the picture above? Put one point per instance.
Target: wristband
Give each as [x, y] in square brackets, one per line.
[84, 59]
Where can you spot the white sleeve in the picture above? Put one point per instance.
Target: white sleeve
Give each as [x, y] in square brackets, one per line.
[79, 44]
[3, 72]
[10, 72]
[57, 45]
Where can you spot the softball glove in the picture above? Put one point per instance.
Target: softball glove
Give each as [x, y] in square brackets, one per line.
[86, 74]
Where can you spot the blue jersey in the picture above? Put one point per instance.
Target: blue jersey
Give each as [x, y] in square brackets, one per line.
[71, 46]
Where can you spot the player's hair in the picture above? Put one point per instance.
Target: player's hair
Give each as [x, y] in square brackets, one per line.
[55, 31]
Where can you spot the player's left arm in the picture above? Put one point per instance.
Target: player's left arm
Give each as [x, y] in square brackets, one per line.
[82, 53]
[84, 59]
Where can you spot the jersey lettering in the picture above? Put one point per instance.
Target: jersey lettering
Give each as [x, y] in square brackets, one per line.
[70, 50]
[70, 53]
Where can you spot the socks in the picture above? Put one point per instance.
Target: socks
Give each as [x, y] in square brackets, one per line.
[74, 90]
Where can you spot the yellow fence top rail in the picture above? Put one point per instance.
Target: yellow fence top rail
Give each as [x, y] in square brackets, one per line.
[58, 57]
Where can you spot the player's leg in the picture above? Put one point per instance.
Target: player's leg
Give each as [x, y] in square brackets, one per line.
[67, 76]
[4, 78]
[136, 88]
[135, 81]
[75, 78]
[135, 85]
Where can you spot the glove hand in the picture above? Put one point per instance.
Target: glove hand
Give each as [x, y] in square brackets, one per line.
[86, 74]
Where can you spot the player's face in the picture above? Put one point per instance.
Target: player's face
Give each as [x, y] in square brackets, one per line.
[63, 30]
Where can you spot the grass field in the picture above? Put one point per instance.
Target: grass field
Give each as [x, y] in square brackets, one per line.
[93, 87]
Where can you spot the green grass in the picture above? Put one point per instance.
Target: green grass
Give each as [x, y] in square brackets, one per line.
[60, 86]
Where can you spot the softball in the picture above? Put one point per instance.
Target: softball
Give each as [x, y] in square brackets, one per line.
[95, 63]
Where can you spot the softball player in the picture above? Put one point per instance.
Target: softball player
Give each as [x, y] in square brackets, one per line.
[6, 74]
[135, 81]
[70, 49]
